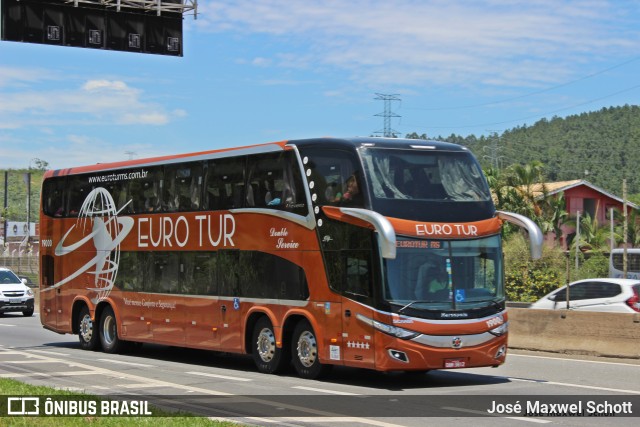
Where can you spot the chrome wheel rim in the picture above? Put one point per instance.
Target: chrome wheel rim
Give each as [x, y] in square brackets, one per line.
[86, 328]
[109, 330]
[266, 345]
[307, 349]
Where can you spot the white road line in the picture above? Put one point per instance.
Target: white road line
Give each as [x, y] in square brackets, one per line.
[120, 362]
[616, 390]
[42, 374]
[471, 411]
[325, 420]
[573, 360]
[53, 353]
[322, 390]
[139, 385]
[5, 324]
[222, 377]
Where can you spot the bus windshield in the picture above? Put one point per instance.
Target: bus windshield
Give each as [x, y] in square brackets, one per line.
[423, 175]
[445, 275]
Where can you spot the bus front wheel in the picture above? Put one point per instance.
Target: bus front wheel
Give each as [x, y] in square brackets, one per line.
[109, 332]
[304, 348]
[268, 358]
[87, 332]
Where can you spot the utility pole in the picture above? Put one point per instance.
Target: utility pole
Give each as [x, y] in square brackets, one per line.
[624, 228]
[387, 114]
[577, 240]
[6, 205]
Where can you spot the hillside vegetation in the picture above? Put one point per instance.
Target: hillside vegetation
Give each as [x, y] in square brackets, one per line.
[602, 147]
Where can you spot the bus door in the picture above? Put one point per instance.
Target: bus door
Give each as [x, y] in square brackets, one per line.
[230, 302]
[358, 337]
[48, 294]
[203, 313]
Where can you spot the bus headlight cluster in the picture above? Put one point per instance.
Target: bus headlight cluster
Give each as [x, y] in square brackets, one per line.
[500, 330]
[394, 331]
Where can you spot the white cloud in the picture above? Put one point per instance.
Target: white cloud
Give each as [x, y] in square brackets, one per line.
[95, 102]
[445, 42]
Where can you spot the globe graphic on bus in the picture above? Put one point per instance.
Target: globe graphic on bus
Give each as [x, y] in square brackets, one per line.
[99, 221]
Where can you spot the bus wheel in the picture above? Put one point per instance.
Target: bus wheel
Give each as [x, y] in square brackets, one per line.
[87, 334]
[267, 356]
[305, 352]
[109, 332]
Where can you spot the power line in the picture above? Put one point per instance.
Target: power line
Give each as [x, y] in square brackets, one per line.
[538, 92]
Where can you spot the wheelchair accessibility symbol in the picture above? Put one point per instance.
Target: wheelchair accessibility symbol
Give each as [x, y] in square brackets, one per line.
[460, 295]
[236, 303]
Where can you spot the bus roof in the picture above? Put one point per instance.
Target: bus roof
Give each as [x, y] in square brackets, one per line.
[344, 143]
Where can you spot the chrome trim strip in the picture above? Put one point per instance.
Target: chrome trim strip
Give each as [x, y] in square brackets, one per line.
[305, 221]
[535, 235]
[386, 233]
[446, 341]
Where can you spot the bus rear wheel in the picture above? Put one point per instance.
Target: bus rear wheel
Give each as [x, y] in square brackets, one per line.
[109, 332]
[304, 348]
[269, 359]
[87, 333]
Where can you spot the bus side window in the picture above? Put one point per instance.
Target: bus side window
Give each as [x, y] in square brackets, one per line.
[79, 188]
[144, 193]
[182, 185]
[53, 193]
[224, 184]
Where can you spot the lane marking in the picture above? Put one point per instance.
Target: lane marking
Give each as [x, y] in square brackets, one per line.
[120, 362]
[589, 387]
[573, 360]
[6, 324]
[222, 377]
[326, 420]
[322, 390]
[42, 374]
[139, 385]
[471, 411]
[53, 353]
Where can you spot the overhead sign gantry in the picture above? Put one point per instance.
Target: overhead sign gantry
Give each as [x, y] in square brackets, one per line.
[143, 26]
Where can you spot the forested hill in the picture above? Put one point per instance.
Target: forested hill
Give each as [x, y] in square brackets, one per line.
[602, 147]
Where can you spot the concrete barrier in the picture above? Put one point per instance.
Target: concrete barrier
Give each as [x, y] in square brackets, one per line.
[575, 332]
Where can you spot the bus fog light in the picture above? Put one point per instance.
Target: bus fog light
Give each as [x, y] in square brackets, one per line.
[500, 330]
[501, 352]
[399, 355]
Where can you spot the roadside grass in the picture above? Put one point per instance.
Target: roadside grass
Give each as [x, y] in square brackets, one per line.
[161, 418]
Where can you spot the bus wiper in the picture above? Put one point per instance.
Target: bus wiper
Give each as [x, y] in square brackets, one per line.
[400, 310]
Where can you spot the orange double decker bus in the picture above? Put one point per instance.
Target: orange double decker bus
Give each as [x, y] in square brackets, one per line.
[376, 253]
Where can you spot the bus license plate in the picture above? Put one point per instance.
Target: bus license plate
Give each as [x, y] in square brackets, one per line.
[455, 363]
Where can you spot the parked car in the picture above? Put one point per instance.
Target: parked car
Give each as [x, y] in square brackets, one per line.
[607, 294]
[15, 295]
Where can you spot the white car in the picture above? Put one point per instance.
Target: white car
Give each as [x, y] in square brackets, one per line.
[610, 295]
[15, 295]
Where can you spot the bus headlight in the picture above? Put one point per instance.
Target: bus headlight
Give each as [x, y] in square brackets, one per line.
[500, 330]
[394, 331]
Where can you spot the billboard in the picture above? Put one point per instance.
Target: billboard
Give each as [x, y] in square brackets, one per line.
[132, 26]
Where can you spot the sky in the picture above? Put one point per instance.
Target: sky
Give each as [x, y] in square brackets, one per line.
[270, 70]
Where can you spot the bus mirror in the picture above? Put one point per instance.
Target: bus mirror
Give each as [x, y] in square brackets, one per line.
[535, 235]
[386, 233]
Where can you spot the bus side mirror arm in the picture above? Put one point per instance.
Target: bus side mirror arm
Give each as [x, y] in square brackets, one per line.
[535, 235]
[386, 233]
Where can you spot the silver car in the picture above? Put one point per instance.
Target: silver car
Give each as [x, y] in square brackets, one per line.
[606, 294]
[15, 295]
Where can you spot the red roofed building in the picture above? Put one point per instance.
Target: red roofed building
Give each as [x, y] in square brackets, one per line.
[584, 197]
